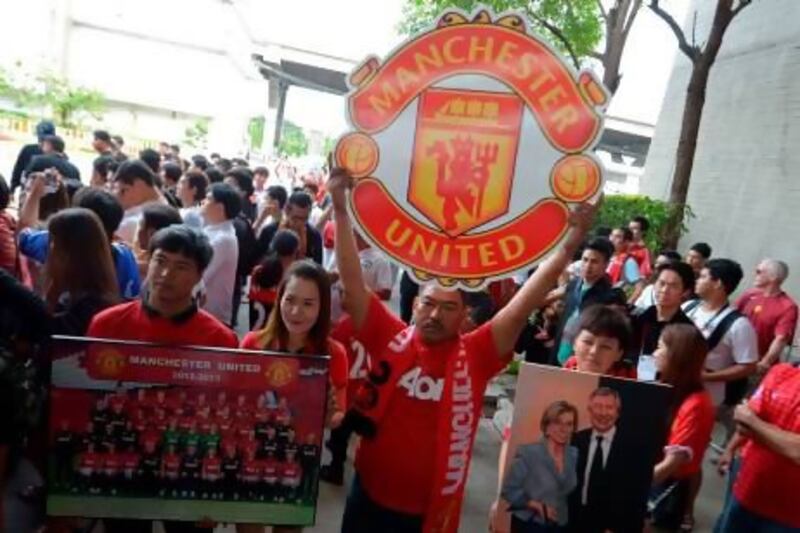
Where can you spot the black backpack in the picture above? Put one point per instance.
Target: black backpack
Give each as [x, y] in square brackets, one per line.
[735, 391]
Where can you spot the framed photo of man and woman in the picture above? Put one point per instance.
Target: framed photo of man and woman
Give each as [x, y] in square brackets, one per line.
[581, 452]
[149, 432]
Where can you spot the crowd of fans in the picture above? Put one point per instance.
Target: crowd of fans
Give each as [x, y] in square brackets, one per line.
[163, 249]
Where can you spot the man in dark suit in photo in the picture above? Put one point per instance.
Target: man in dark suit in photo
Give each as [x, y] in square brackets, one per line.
[608, 496]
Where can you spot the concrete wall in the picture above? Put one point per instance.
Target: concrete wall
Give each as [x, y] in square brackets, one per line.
[745, 189]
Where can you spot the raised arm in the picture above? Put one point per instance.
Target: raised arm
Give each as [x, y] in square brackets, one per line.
[29, 213]
[509, 321]
[356, 295]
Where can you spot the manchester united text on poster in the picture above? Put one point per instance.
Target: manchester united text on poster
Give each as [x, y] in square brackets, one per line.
[468, 147]
[146, 431]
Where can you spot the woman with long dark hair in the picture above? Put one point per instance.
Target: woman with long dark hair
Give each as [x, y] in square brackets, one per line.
[680, 359]
[79, 277]
[300, 324]
[79, 268]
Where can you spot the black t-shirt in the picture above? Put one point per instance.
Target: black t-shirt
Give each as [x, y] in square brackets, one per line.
[313, 243]
[647, 330]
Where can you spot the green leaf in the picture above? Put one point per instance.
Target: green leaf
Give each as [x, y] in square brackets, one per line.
[617, 210]
[579, 21]
[293, 140]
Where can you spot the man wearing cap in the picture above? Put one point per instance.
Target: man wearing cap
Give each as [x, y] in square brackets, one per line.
[43, 129]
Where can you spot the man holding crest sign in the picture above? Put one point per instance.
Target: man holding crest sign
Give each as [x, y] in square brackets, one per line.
[490, 127]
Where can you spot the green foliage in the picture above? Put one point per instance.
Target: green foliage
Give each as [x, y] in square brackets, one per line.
[196, 135]
[618, 210]
[293, 140]
[255, 130]
[69, 104]
[578, 21]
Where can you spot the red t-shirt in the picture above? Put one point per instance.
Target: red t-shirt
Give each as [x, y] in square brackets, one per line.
[248, 447]
[290, 471]
[130, 321]
[90, 461]
[8, 243]
[130, 461]
[271, 467]
[172, 464]
[251, 470]
[691, 431]
[212, 466]
[112, 463]
[768, 483]
[642, 255]
[396, 467]
[617, 371]
[771, 316]
[357, 356]
[338, 355]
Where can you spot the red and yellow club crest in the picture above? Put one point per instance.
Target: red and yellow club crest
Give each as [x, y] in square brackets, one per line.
[108, 363]
[470, 142]
[280, 373]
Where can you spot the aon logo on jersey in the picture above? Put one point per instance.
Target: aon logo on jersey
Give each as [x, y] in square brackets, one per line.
[422, 387]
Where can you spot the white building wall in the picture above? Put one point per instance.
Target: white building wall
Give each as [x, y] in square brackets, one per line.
[744, 190]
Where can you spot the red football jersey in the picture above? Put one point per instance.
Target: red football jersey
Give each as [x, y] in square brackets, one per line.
[251, 470]
[111, 463]
[212, 467]
[171, 464]
[90, 461]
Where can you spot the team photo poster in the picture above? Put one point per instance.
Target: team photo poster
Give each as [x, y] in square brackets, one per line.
[581, 450]
[152, 432]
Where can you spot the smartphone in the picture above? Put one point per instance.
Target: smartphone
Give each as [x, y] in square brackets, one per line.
[50, 181]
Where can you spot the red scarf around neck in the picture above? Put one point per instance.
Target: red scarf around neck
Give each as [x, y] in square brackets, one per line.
[458, 421]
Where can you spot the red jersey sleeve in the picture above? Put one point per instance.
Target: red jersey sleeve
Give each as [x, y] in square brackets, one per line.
[741, 301]
[787, 324]
[251, 342]
[225, 338]
[482, 352]
[338, 368]
[379, 328]
[691, 430]
[343, 330]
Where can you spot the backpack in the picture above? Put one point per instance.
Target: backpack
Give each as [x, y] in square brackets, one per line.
[736, 390]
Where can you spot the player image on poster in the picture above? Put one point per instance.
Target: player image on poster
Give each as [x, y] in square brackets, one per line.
[469, 144]
[605, 433]
[152, 432]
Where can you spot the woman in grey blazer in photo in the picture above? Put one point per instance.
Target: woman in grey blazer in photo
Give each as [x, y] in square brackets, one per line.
[543, 474]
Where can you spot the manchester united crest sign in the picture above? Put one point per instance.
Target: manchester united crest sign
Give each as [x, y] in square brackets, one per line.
[470, 142]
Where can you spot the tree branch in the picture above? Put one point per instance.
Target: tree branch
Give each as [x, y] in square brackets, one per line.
[742, 4]
[629, 21]
[597, 55]
[560, 36]
[692, 52]
[602, 10]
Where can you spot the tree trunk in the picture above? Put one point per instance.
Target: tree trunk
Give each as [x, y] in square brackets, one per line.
[618, 23]
[687, 146]
[611, 62]
[690, 124]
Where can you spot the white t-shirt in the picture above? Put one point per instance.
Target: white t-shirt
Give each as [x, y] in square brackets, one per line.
[130, 221]
[739, 345]
[220, 275]
[647, 299]
[377, 272]
[191, 217]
